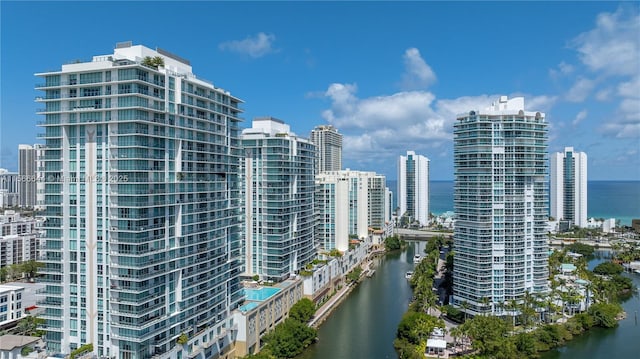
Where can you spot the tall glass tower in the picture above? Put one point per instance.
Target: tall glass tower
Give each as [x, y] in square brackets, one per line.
[328, 148]
[142, 206]
[500, 202]
[278, 185]
[568, 178]
[413, 187]
[348, 204]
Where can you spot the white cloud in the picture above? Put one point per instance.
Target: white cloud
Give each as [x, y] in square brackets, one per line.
[377, 129]
[418, 74]
[630, 88]
[563, 69]
[604, 94]
[621, 130]
[580, 90]
[579, 117]
[254, 46]
[613, 46]
[540, 103]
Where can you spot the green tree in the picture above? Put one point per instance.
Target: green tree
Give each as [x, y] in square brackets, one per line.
[415, 326]
[525, 344]
[489, 336]
[608, 268]
[182, 339]
[289, 338]
[604, 314]
[303, 310]
[153, 61]
[31, 268]
[354, 275]
[580, 248]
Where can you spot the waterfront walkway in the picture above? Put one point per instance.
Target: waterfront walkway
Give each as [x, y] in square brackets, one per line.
[323, 312]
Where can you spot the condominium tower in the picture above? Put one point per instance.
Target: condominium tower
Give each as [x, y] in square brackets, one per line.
[142, 206]
[329, 148]
[27, 175]
[348, 204]
[500, 203]
[278, 186]
[413, 188]
[568, 177]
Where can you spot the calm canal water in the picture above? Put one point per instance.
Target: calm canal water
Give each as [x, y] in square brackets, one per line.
[364, 325]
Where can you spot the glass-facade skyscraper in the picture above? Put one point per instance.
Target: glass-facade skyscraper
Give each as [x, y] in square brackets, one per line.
[142, 206]
[500, 202]
[349, 203]
[568, 179]
[278, 179]
[328, 148]
[413, 187]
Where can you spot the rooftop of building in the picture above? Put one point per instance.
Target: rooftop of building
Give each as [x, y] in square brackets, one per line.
[504, 106]
[9, 342]
[255, 293]
[10, 287]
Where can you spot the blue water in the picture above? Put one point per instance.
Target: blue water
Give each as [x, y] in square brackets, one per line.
[247, 307]
[614, 199]
[260, 294]
[605, 199]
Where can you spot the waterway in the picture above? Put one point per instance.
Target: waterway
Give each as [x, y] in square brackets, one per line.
[364, 325]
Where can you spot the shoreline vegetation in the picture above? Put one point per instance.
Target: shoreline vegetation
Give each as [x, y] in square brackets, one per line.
[289, 338]
[532, 326]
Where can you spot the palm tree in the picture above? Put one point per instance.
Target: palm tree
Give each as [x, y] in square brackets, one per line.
[485, 304]
[455, 333]
[512, 307]
[465, 308]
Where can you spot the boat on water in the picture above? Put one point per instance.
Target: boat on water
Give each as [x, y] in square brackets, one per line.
[636, 271]
[371, 272]
[417, 258]
[408, 275]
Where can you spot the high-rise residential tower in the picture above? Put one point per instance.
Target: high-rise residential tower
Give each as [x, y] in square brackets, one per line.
[568, 177]
[348, 204]
[413, 188]
[278, 185]
[329, 148]
[39, 149]
[142, 206]
[27, 175]
[500, 203]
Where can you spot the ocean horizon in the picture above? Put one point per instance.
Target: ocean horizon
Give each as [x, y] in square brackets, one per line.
[619, 199]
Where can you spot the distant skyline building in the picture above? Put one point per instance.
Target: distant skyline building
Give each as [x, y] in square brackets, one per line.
[413, 187]
[27, 185]
[500, 203]
[278, 185]
[40, 169]
[19, 238]
[568, 179]
[142, 207]
[9, 182]
[348, 204]
[328, 148]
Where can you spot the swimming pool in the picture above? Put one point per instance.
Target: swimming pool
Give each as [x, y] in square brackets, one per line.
[247, 307]
[260, 294]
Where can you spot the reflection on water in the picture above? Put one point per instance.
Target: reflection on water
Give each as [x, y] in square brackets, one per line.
[364, 325]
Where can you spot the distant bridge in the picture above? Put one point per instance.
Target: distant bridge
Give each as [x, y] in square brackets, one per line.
[419, 235]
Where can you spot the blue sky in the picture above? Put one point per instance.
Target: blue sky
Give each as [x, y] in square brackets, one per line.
[390, 76]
